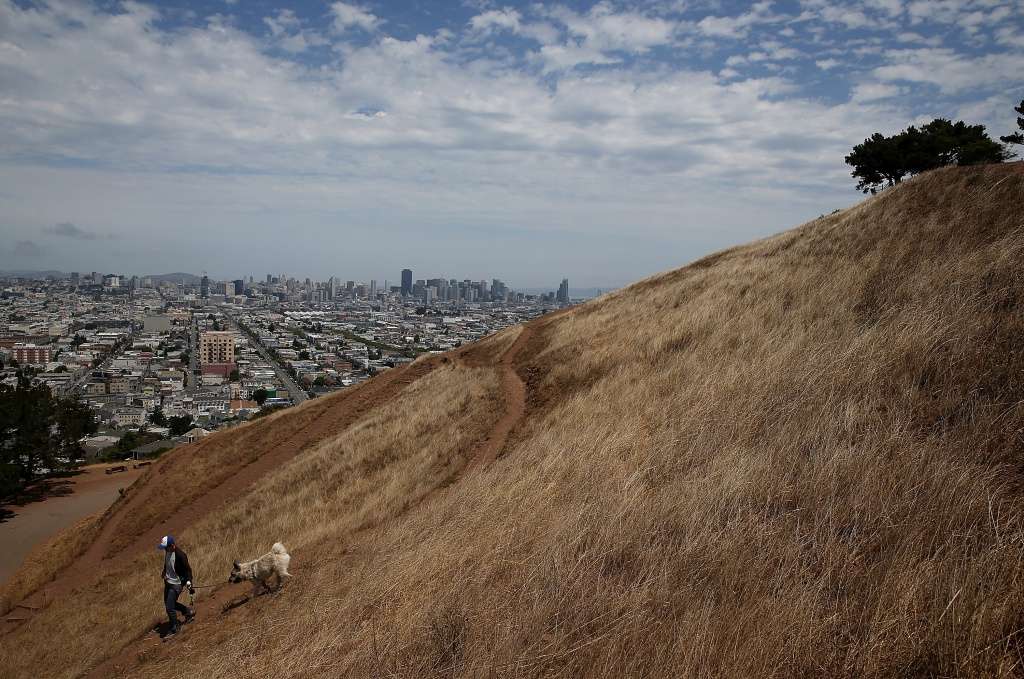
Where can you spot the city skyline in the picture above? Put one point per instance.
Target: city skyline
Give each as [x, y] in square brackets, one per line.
[203, 280]
[605, 140]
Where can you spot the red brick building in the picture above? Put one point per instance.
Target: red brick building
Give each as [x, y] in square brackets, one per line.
[30, 353]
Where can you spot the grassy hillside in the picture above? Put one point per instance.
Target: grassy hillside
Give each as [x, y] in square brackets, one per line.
[797, 457]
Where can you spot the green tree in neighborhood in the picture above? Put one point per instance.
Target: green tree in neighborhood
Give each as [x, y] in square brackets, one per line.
[158, 418]
[180, 424]
[260, 396]
[38, 431]
[885, 161]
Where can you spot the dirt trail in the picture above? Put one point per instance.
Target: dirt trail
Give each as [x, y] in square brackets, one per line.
[515, 404]
[333, 419]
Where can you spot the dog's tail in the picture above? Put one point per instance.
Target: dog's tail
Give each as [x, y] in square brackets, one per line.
[278, 548]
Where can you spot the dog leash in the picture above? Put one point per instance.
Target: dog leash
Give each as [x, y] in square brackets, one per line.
[192, 594]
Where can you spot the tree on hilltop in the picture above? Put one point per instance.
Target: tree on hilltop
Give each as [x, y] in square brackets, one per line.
[1018, 136]
[881, 160]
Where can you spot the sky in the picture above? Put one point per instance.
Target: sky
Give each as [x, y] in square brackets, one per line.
[602, 142]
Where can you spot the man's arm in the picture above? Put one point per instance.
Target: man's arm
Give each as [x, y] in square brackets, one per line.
[186, 567]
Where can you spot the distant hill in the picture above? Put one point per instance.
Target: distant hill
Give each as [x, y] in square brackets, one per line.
[179, 277]
[797, 457]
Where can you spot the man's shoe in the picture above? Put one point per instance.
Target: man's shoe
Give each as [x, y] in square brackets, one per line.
[190, 616]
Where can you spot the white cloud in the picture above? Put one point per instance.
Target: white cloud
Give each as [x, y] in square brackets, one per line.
[827, 64]
[890, 7]
[348, 16]
[604, 29]
[949, 70]
[287, 32]
[738, 26]
[864, 92]
[504, 19]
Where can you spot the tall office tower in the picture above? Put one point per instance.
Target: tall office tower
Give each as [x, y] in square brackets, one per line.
[332, 288]
[406, 282]
[204, 286]
[239, 286]
[484, 292]
[373, 289]
[74, 278]
[350, 286]
[563, 292]
[270, 279]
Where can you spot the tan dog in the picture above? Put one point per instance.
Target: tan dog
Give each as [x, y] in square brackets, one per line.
[273, 563]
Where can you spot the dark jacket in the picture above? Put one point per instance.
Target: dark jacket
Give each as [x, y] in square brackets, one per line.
[182, 568]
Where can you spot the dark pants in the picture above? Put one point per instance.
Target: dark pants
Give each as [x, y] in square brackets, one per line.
[171, 594]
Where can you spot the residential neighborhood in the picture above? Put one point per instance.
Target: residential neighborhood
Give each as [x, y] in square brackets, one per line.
[164, 360]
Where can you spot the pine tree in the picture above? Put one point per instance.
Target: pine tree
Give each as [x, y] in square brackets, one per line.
[1018, 136]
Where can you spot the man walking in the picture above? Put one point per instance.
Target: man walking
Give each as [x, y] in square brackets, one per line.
[176, 574]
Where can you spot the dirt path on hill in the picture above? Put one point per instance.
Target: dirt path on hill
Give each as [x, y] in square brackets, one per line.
[331, 421]
[88, 492]
[515, 405]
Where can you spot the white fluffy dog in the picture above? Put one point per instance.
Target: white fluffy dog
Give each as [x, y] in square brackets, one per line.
[273, 563]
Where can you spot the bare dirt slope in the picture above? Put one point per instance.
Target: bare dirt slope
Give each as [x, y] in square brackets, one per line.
[34, 523]
[798, 457]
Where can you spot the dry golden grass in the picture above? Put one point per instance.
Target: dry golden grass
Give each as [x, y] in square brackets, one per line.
[801, 457]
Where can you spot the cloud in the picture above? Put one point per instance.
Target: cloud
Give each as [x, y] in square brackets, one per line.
[287, 32]
[27, 248]
[348, 16]
[738, 26]
[69, 230]
[504, 19]
[950, 71]
[865, 92]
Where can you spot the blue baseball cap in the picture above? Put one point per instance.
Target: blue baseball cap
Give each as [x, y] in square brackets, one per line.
[166, 542]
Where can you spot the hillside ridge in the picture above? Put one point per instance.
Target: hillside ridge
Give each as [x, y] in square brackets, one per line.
[796, 457]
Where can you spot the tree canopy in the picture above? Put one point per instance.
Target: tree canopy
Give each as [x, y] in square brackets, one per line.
[179, 425]
[882, 160]
[38, 431]
[1018, 136]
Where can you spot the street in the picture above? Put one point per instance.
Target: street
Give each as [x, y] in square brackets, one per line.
[297, 393]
